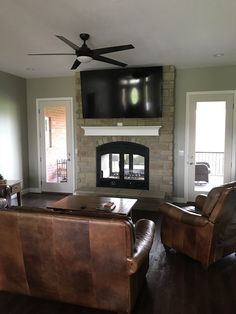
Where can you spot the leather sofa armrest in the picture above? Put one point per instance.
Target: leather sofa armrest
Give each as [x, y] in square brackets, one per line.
[179, 214]
[144, 233]
[200, 201]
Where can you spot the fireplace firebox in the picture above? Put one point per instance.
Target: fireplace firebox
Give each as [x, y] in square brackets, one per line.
[123, 165]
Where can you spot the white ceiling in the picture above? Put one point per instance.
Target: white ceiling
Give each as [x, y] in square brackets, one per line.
[184, 33]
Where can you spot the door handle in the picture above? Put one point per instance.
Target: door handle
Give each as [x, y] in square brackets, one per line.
[190, 163]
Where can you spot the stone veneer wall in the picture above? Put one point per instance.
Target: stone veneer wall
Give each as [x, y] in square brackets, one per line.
[160, 147]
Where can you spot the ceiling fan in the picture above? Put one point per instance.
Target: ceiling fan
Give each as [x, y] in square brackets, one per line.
[85, 54]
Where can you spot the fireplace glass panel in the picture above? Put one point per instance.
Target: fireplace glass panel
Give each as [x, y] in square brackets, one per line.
[122, 165]
[134, 167]
[110, 166]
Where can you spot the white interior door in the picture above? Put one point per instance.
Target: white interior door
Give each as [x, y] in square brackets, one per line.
[56, 144]
[209, 140]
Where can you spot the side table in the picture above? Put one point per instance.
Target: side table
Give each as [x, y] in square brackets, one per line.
[12, 187]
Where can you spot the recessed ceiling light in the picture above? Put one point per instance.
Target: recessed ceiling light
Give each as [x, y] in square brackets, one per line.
[216, 55]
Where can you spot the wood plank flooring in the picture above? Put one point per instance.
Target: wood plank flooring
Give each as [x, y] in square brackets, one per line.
[175, 283]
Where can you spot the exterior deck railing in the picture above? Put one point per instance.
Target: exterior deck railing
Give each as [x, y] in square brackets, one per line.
[214, 159]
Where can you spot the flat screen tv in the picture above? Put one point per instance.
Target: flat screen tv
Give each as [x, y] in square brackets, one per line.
[122, 93]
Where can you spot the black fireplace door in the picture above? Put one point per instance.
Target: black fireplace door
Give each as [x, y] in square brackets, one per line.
[123, 165]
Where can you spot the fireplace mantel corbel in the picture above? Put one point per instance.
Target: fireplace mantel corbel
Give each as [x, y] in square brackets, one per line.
[121, 130]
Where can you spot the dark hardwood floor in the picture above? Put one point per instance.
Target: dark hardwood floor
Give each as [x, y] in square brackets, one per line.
[175, 283]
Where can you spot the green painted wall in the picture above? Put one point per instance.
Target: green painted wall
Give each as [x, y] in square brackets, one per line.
[13, 128]
[43, 88]
[195, 80]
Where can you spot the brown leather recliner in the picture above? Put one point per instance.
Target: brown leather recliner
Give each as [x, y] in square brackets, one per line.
[207, 231]
[89, 261]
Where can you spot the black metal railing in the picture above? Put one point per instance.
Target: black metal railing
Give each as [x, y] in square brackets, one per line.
[61, 170]
[214, 159]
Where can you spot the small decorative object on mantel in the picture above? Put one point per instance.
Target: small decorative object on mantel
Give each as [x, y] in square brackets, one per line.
[2, 180]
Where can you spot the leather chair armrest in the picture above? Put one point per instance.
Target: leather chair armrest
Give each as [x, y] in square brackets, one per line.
[200, 201]
[179, 214]
[144, 233]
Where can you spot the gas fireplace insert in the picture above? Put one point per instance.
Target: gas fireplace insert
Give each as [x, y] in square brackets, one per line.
[123, 165]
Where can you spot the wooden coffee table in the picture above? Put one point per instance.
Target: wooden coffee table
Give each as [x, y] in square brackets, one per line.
[94, 205]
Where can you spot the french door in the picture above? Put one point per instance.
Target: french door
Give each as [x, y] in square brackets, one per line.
[56, 144]
[209, 142]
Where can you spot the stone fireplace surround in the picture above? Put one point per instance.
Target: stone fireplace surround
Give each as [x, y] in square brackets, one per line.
[160, 147]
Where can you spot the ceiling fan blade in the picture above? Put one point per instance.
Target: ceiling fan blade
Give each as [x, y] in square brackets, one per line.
[51, 54]
[68, 42]
[75, 65]
[112, 49]
[108, 60]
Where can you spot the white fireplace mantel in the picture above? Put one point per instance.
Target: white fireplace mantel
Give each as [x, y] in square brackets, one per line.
[121, 130]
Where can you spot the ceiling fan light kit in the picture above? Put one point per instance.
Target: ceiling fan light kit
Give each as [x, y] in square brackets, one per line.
[84, 54]
[84, 59]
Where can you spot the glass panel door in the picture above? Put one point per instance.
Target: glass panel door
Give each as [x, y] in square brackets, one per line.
[56, 145]
[209, 142]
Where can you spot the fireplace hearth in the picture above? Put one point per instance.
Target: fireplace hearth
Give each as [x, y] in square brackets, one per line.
[123, 165]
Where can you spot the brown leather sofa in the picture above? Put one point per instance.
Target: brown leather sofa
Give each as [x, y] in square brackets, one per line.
[207, 231]
[89, 261]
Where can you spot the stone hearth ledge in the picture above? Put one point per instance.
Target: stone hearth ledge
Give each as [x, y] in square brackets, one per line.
[121, 130]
